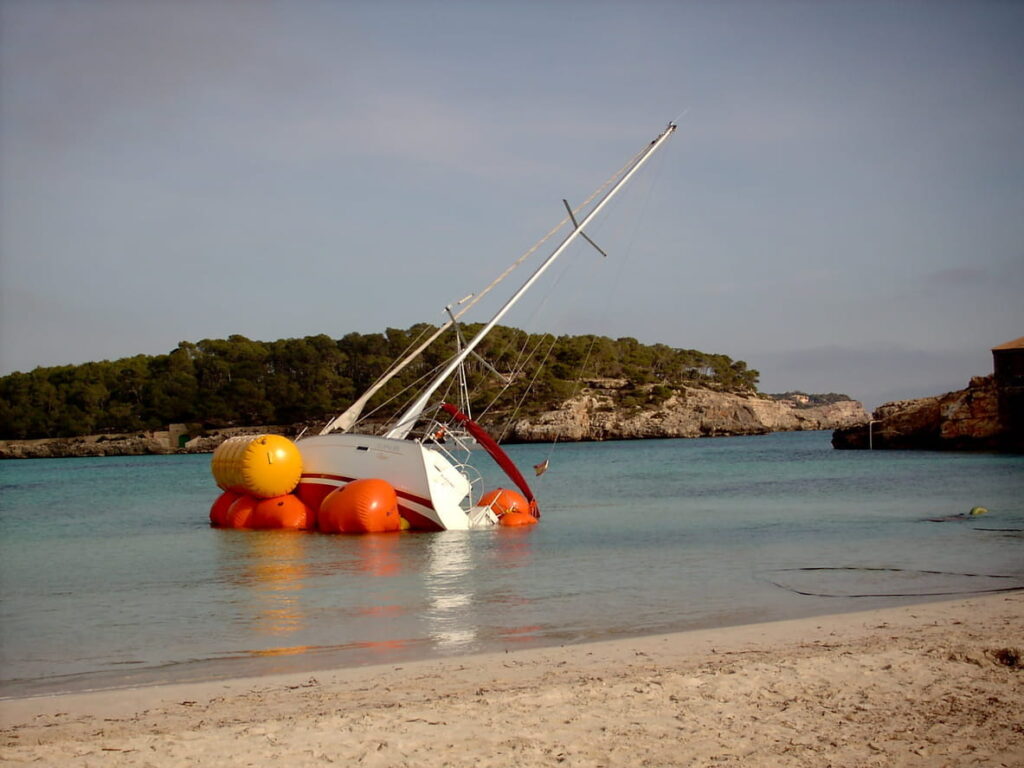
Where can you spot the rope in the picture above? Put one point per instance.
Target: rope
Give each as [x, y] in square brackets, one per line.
[658, 166]
[529, 387]
[518, 366]
[400, 363]
[403, 391]
[533, 249]
[1016, 588]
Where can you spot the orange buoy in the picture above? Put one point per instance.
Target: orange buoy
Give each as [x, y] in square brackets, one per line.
[363, 506]
[517, 518]
[502, 501]
[313, 493]
[240, 512]
[219, 510]
[285, 511]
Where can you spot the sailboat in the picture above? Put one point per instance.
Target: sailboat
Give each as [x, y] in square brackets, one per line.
[431, 470]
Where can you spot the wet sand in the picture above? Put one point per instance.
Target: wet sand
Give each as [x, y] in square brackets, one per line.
[937, 684]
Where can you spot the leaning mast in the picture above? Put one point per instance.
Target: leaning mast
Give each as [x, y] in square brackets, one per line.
[408, 419]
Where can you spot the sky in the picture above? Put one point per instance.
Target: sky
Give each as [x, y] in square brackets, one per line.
[842, 206]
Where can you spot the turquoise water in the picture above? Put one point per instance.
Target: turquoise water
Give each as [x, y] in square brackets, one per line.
[110, 575]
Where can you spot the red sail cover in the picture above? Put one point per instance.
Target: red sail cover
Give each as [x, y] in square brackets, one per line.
[491, 446]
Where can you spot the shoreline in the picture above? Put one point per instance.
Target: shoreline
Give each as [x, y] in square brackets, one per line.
[935, 683]
[289, 663]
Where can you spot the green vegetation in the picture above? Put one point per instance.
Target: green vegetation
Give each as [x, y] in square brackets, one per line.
[805, 400]
[232, 382]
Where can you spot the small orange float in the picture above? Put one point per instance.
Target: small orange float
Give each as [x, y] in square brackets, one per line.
[363, 506]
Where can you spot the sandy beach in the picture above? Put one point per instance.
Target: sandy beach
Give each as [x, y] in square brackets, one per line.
[936, 684]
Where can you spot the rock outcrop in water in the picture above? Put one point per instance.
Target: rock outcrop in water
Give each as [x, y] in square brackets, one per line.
[690, 412]
[968, 419]
[988, 415]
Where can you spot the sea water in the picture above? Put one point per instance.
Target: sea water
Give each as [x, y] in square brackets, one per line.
[111, 576]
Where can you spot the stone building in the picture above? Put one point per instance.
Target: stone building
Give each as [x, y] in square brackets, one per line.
[1008, 371]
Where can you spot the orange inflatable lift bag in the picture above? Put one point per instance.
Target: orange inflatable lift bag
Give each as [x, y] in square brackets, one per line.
[502, 501]
[285, 511]
[314, 494]
[240, 512]
[363, 506]
[512, 519]
[219, 510]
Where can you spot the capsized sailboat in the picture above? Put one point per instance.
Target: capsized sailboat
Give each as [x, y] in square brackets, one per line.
[423, 482]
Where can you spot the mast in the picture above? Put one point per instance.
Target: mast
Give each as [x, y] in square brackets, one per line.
[408, 419]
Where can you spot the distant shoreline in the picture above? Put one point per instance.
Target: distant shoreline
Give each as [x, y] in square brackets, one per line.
[143, 444]
[591, 416]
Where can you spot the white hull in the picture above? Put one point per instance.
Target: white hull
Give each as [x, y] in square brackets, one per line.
[431, 490]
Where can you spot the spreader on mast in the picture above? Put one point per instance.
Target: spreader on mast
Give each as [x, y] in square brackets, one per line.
[408, 419]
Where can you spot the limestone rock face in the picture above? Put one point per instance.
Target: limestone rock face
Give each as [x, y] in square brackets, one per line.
[690, 413]
[136, 444]
[967, 419]
[93, 445]
[593, 415]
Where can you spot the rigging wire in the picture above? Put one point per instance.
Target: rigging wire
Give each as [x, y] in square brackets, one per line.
[408, 347]
[516, 369]
[400, 363]
[529, 387]
[426, 376]
[524, 358]
[658, 166]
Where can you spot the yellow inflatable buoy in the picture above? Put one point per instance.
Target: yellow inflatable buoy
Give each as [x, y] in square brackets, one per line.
[263, 466]
[978, 511]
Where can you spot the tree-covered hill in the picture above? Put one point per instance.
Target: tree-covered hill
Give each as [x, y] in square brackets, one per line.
[236, 381]
[808, 400]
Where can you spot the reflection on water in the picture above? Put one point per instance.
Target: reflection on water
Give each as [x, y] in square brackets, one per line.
[450, 591]
[293, 650]
[293, 586]
[520, 634]
[274, 570]
[284, 580]
[376, 554]
[513, 547]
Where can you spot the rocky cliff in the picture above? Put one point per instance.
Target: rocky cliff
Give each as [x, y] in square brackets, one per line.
[690, 412]
[596, 414]
[968, 419]
[135, 444]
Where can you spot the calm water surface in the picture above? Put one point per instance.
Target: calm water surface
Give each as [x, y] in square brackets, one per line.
[111, 576]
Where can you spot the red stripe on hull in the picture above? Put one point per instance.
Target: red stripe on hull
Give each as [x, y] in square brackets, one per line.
[345, 480]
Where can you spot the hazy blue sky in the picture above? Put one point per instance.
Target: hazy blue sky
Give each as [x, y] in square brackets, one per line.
[842, 207]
